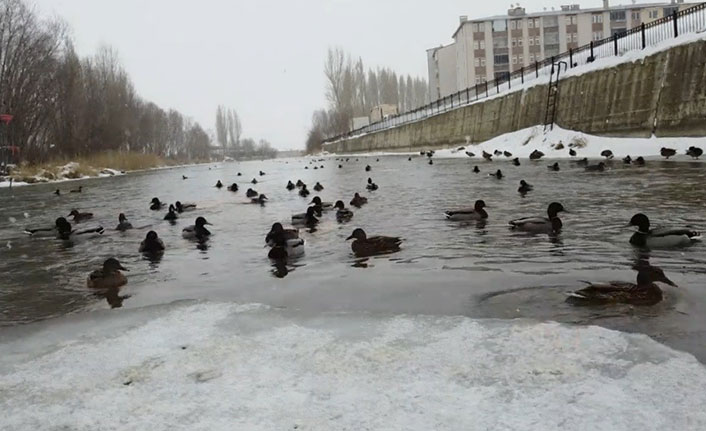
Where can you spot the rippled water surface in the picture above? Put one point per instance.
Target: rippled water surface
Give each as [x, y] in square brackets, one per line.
[444, 267]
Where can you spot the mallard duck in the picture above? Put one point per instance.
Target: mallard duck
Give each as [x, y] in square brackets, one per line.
[371, 185]
[468, 153]
[184, 207]
[290, 186]
[536, 155]
[541, 224]
[260, 200]
[487, 156]
[152, 244]
[254, 181]
[108, 277]
[498, 174]
[251, 193]
[78, 190]
[57, 192]
[516, 161]
[582, 162]
[525, 187]
[645, 292]
[476, 170]
[431, 162]
[430, 154]
[659, 238]
[318, 187]
[497, 153]
[307, 219]
[123, 224]
[156, 204]
[284, 243]
[184, 177]
[554, 167]
[364, 246]
[219, 184]
[343, 214]
[79, 217]
[358, 200]
[607, 154]
[171, 214]
[572, 152]
[694, 152]
[627, 159]
[197, 230]
[262, 173]
[667, 152]
[476, 213]
[640, 161]
[239, 174]
[300, 184]
[507, 154]
[326, 206]
[368, 168]
[304, 192]
[233, 187]
[278, 232]
[600, 167]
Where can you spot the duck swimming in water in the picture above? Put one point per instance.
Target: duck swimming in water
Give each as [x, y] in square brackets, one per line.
[600, 167]
[498, 174]
[171, 214]
[318, 187]
[259, 200]
[108, 277]
[123, 224]
[262, 173]
[300, 183]
[659, 238]
[365, 246]
[251, 193]
[525, 187]
[57, 192]
[307, 219]
[326, 206]
[627, 159]
[516, 161]
[645, 292]
[233, 187]
[184, 207]
[667, 152]
[219, 184]
[152, 244]
[78, 190]
[487, 156]
[343, 214]
[572, 152]
[254, 181]
[541, 224]
[79, 217]
[554, 167]
[476, 213]
[197, 230]
[304, 192]
[582, 162]
[640, 161]
[536, 155]
[156, 205]
[607, 154]
[279, 230]
[431, 162]
[371, 185]
[290, 186]
[368, 168]
[358, 200]
[476, 170]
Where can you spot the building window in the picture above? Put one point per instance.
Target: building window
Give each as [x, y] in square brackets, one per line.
[636, 16]
[576, 37]
[531, 41]
[475, 44]
[514, 42]
[618, 15]
[570, 19]
[482, 44]
[474, 26]
[521, 60]
[513, 25]
[482, 62]
[477, 62]
[597, 18]
[514, 59]
[481, 27]
[519, 24]
[536, 22]
[654, 14]
[597, 35]
[501, 59]
[531, 58]
[499, 25]
[519, 42]
[530, 23]
[477, 80]
[536, 41]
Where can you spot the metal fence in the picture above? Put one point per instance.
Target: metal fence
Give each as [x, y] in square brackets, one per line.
[689, 20]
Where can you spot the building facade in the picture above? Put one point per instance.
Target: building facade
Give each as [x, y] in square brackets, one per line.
[488, 48]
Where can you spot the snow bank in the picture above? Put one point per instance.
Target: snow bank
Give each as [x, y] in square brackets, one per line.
[222, 367]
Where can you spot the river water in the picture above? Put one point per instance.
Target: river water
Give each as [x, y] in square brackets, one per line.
[444, 268]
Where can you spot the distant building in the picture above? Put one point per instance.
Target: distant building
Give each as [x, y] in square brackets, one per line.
[489, 48]
[381, 112]
[358, 122]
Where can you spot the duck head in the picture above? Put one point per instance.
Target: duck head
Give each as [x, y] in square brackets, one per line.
[172, 208]
[277, 228]
[179, 207]
[112, 265]
[358, 234]
[523, 183]
[641, 221]
[370, 180]
[315, 201]
[479, 205]
[74, 213]
[63, 226]
[151, 236]
[156, 201]
[122, 218]
[650, 274]
[339, 205]
[554, 209]
[201, 222]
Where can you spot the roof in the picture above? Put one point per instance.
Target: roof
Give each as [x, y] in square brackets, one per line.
[569, 12]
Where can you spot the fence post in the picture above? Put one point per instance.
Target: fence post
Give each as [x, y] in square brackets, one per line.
[536, 68]
[486, 88]
[497, 86]
[571, 58]
[615, 43]
[476, 91]
[468, 94]
[509, 78]
[644, 39]
[522, 74]
[676, 23]
[592, 50]
[452, 101]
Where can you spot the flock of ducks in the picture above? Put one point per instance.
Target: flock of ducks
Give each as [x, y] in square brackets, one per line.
[286, 243]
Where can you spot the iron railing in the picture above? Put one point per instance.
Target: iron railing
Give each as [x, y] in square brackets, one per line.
[689, 20]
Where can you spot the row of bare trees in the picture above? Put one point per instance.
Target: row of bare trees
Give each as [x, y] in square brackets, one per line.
[228, 137]
[66, 106]
[351, 91]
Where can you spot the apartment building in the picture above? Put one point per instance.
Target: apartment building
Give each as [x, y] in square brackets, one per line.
[488, 48]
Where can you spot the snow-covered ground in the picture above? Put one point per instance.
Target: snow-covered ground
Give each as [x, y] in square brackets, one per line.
[523, 142]
[216, 366]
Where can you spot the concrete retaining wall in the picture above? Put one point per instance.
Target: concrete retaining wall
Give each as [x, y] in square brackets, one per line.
[664, 94]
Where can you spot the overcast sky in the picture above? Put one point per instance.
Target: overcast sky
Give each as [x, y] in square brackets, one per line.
[262, 57]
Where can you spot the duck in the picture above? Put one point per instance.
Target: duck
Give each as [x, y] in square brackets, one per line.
[79, 217]
[307, 219]
[262, 173]
[525, 187]
[368, 168]
[250, 193]
[497, 153]
[108, 277]
[476, 170]
[57, 192]
[171, 214]
[516, 161]
[156, 204]
[644, 293]
[318, 187]
[476, 213]
[277, 229]
[365, 246]
[123, 224]
[487, 156]
[640, 161]
[498, 174]
[541, 224]
[184, 177]
[694, 152]
[197, 230]
[304, 192]
[600, 167]
[431, 162]
[536, 155]
[343, 214]
[627, 159]
[468, 153]
[358, 200]
[152, 244]
[259, 200]
[667, 152]
[326, 206]
[184, 207]
[371, 185]
[233, 187]
[291, 186]
[572, 152]
[254, 181]
[607, 154]
[219, 184]
[65, 232]
[507, 154]
[554, 167]
[239, 174]
[582, 162]
[659, 238]
[429, 154]
[78, 190]
[300, 184]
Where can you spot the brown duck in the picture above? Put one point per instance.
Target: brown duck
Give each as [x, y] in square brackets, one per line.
[364, 246]
[645, 292]
[109, 277]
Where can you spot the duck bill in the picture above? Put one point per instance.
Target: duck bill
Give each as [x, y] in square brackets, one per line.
[122, 268]
[665, 280]
[349, 238]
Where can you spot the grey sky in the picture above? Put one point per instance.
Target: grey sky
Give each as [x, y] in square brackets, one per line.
[262, 57]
